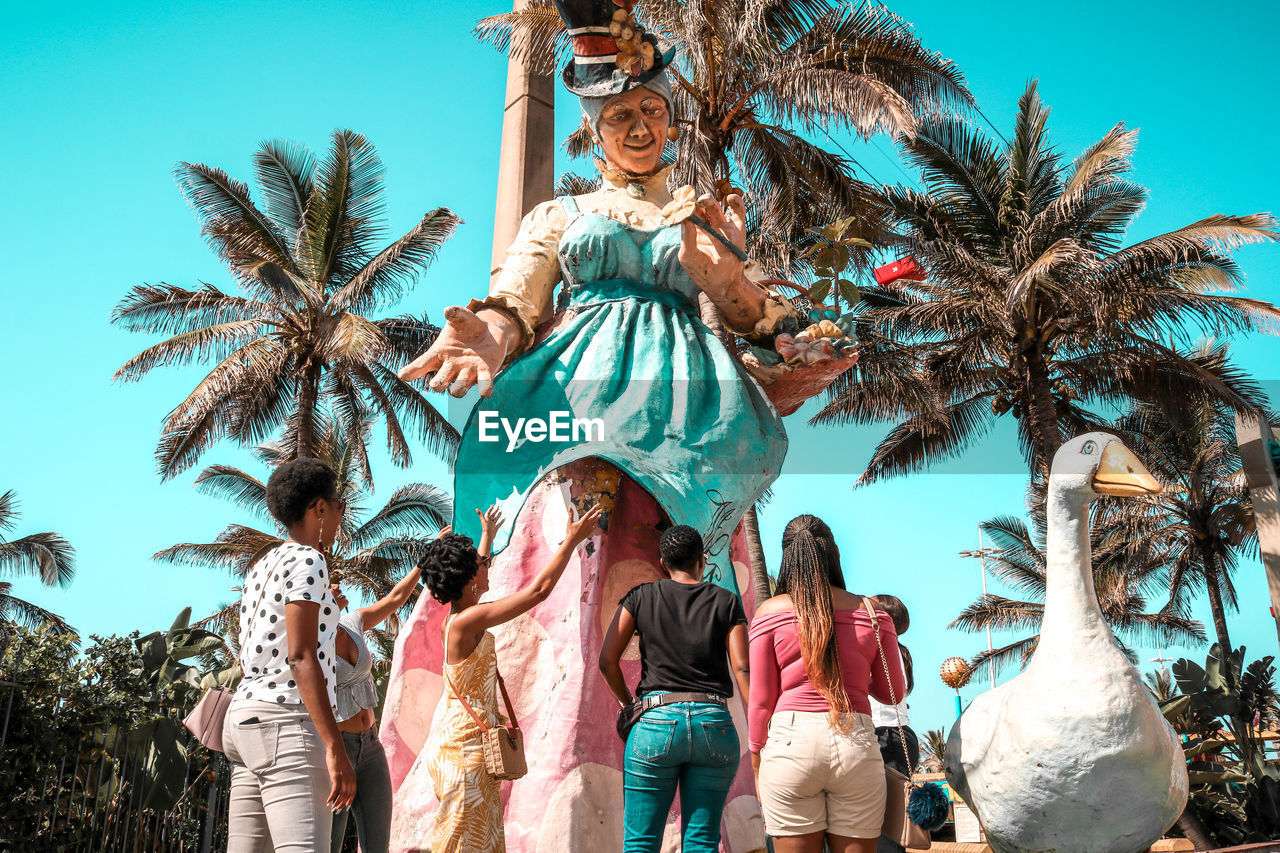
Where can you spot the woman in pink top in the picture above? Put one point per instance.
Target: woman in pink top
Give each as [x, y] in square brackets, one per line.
[813, 662]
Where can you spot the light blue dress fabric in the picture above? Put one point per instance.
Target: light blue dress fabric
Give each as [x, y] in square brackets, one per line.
[680, 415]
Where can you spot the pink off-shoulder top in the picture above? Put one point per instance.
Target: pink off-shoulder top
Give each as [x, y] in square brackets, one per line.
[779, 682]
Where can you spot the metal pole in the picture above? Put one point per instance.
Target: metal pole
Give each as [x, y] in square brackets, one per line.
[4, 735]
[991, 664]
[210, 817]
[1253, 438]
[1161, 659]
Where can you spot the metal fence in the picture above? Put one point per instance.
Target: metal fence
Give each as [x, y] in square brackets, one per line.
[93, 796]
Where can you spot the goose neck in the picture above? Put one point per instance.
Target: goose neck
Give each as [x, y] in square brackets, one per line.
[1070, 602]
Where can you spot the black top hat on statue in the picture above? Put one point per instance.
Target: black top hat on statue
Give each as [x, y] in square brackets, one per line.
[612, 54]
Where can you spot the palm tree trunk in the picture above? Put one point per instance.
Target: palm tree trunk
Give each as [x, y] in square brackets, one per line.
[1043, 412]
[710, 317]
[750, 522]
[755, 550]
[309, 384]
[1211, 581]
[1195, 831]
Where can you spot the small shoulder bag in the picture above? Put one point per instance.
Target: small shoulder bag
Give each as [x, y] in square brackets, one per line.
[897, 825]
[503, 745]
[206, 718]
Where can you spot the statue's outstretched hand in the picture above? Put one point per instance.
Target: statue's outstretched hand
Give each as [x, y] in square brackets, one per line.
[708, 261]
[467, 353]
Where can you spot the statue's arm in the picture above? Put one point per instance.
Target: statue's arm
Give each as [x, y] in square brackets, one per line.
[747, 308]
[479, 340]
[524, 285]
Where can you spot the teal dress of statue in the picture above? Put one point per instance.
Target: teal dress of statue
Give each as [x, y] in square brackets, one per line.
[631, 375]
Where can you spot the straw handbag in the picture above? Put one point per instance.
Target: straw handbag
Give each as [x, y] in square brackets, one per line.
[503, 745]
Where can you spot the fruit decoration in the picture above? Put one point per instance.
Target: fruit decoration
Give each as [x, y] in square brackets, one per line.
[635, 55]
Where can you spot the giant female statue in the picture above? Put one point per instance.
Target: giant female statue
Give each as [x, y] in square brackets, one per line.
[621, 396]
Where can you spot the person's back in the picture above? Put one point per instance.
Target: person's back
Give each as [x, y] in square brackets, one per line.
[683, 628]
[815, 658]
[684, 737]
[861, 673]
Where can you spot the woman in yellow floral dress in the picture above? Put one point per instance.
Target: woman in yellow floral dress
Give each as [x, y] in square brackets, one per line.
[469, 819]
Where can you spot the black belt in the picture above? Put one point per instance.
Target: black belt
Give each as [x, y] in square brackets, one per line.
[629, 715]
[659, 699]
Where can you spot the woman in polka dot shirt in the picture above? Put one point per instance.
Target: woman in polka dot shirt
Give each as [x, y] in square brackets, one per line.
[289, 768]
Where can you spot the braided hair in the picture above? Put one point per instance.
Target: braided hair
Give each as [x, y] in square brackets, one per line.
[448, 564]
[810, 567]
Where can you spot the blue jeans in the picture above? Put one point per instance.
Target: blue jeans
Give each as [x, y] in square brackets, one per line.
[692, 745]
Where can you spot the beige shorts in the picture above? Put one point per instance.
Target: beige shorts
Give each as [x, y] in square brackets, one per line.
[814, 778]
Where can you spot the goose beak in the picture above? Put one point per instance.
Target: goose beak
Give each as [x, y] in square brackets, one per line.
[1122, 475]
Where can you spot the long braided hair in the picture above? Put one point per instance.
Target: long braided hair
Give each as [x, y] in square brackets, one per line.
[810, 567]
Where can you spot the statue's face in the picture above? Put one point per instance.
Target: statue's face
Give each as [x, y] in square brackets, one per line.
[633, 129]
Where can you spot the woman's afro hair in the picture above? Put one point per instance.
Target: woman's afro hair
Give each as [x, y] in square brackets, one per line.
[448, 564]
[295, 485]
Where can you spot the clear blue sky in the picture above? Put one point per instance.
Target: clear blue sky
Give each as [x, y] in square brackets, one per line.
[102, 99]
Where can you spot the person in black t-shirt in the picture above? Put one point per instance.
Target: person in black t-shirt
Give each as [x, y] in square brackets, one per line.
[691, 634]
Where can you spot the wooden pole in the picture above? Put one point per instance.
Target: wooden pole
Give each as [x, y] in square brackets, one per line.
[1253, 437]
[526, 161]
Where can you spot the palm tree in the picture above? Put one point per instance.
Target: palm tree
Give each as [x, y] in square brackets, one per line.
[1204, 516]
[297, 344]
[1030, 304]
[371, 552]
[1129, 565]
[750, 80]
[933, 750]
[46, 556]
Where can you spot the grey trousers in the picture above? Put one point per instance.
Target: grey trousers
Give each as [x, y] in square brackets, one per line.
[372, 805]
[279, 780]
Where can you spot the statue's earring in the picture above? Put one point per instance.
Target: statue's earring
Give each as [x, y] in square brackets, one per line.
[673, 133]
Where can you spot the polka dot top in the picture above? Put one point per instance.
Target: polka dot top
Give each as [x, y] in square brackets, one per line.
[290, 572]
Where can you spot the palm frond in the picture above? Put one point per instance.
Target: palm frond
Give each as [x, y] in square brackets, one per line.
[340, 225]
[284, 171]
[407, 337]
[233, 485]
[8, 510]
[534, 34]
[571, 183]
[415, 508]
[14, 610]
[386, 277]
[927, 438]
[47, 556]
[238, 231]
[168, 309]
[214, 341]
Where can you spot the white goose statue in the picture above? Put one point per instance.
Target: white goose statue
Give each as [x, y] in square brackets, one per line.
[1072, 755]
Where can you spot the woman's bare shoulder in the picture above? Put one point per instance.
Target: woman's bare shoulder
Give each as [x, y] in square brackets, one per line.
[774, 604]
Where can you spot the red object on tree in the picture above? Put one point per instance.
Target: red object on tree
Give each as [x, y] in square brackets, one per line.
[901, 268]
